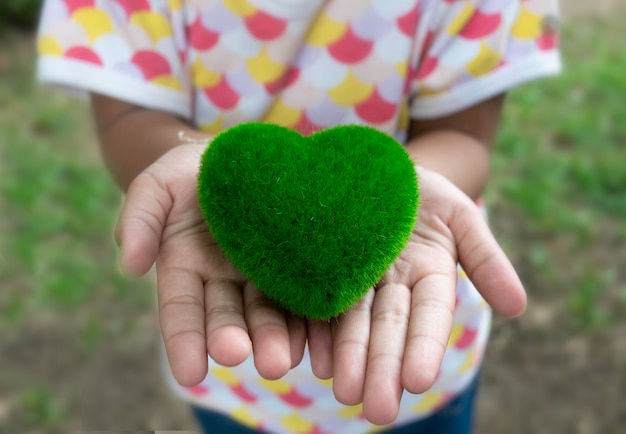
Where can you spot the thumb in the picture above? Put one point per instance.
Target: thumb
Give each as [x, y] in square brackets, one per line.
[141, 222]
[485, 262]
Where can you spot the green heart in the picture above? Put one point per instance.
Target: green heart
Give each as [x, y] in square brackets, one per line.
[313, 221]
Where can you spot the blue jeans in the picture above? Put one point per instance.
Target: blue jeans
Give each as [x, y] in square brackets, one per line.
[454, 418]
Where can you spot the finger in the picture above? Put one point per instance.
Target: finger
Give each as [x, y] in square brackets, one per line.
[486, 264]
[383, 389]
[140, 225]
[320, 348]
[430, 325]
[227, 340]
[297, 338]
[181, 314]
[351, 343]
[268, 330]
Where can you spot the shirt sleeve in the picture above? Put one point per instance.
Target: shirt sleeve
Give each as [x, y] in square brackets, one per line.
[466, 52]
[126, 49]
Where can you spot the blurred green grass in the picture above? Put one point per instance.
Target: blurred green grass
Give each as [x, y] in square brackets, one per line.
[558, 200]
[563, 138]
[560, 164]
[59, 204]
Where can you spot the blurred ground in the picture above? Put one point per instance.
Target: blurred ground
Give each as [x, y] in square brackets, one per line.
[77, 372]
[580, 9]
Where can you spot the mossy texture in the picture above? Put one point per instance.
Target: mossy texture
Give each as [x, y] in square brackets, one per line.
[313, 221]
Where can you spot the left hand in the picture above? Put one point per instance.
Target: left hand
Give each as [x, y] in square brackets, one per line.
[396, 336]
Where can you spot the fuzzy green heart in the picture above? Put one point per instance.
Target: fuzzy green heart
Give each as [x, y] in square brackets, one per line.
[313, 221]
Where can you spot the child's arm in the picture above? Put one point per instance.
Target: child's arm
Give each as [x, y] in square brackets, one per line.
[459, 146]
[133, 137]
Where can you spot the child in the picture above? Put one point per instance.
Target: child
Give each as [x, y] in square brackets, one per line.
[165, 74]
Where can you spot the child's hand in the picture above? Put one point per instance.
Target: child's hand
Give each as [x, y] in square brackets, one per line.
[395, 338]
[201, 296]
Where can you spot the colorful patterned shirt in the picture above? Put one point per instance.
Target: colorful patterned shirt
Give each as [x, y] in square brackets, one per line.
[307, 65]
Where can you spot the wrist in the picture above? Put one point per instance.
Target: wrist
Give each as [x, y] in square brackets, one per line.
[459, 157]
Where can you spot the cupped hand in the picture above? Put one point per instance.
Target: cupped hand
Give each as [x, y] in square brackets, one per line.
[205, 304]
[396, 336]
[393, 339]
